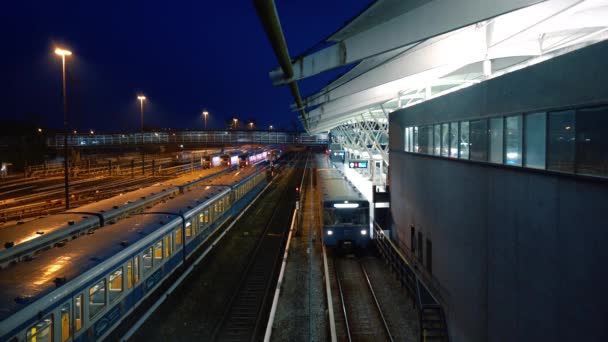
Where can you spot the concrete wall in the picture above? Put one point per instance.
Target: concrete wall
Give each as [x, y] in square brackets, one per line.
[521, 253]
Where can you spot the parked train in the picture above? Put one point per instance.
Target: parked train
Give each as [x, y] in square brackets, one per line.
[252, 157]
[345, 215]
[81, 292]
[23, 241]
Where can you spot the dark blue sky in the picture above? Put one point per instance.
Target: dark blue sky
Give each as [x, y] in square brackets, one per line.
[183, 56]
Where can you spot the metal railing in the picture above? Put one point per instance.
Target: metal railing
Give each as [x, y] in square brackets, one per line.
[189, 138]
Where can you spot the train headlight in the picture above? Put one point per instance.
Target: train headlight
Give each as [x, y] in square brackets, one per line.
[330, 232]
[363, 232]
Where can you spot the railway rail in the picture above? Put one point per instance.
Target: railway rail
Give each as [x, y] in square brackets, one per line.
[359, 316]
[244, 318]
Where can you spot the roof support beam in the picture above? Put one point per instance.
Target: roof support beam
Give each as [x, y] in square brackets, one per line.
[431, 19]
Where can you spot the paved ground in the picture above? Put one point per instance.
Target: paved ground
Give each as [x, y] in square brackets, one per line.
[301, 298]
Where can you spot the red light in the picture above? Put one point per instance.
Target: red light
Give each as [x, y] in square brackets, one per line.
[297, 189]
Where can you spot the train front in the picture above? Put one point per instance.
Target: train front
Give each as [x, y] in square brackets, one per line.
[346, 224]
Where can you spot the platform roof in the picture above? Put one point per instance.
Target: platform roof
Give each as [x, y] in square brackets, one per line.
[410, 51]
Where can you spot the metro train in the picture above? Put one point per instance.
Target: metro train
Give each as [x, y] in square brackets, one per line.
[82, 291]
[345, 215]
[230, 158]
[23, 241]
[252, 157]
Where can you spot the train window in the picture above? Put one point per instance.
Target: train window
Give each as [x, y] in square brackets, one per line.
[136, 269]
[535, 140]
[591, 141]
[479, 140]
[513, 140]
[206, 215]
[454, 139]
[437, 140]
[188, 229]
[201, 218]
[178, 237]
[78, 313]
[158, 250]
[65, 322]
[168, 246]
[146, 260]
[115, 284]
[41, 331]
[496, 140]
[97, 298]
[464, 140]
[194, 226]
[129, 274]
[445, 139]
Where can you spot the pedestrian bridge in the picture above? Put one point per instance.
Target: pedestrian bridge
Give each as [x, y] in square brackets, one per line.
[189, 139]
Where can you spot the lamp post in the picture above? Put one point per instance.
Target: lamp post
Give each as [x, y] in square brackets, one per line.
[270, 127]
[235, 120]
[251, 125]
[63, 53]
[141, 99]
[205, 113]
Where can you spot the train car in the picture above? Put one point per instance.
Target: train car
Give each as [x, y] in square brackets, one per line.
[252, 157]
[22, 241]
[82, 291]
[345, 215]
[230, 158]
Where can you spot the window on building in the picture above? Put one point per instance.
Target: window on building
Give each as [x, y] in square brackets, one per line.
[445, 139]
[415, 140]
[97, 298]
[561, 143]
[592, 141]
[429, 256]
[464, 140]
[437, 140]
[535, 140]
[425, 137]
[407, 139]
[479, 140]
[513, 140]
[454, 139]
[496, 140]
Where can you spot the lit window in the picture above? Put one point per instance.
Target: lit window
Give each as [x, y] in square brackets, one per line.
[97, 298]
[146, 260]
[42, 331]
[464, 140]
[158, 250]
[65, 322]
[78, 313]
[115, 284]
[513, 140]
[496, 140]
[535, 140]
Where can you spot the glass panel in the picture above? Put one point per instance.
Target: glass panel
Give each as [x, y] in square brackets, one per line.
[146, 260]
[445, 139]
[168, 246]
[560, 152]
[129, 274]
[535, 142]
[42, 331]
[513, 140]
[454, 139]
[158, 250]
[415, 139]
[115, 284]
[426, 139]
[496, 140]
[437, 140]
[97, 298]
[592, 141]
[407, 139]
[65, 322]
[464, 140]
[136, 269]
[178, 237]
[188, 229]
[479, 140]
[78, 313]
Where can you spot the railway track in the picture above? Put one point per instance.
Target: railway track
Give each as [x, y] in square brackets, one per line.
[243, 319]
[358, 315]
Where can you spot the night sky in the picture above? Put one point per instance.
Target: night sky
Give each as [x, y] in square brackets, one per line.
[185, 57]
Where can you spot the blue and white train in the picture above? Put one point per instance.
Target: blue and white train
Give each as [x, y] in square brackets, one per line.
[345, 214]
[81, 291]
[23, 241]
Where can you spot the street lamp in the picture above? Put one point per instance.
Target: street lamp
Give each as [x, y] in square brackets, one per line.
[63, 53]
[235, 120]
[270, 127]
[205, 113]
[251, 125]
[141, 99]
